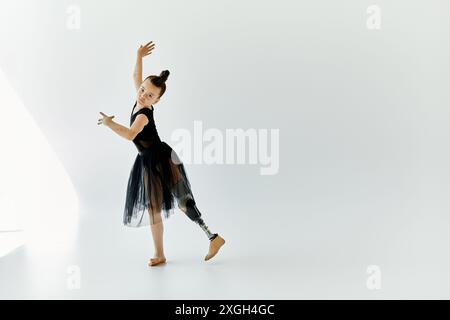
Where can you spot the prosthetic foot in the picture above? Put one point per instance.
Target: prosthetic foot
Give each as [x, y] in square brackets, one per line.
[214, 246]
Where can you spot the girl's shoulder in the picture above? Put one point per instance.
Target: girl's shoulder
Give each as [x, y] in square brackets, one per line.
[148, 112]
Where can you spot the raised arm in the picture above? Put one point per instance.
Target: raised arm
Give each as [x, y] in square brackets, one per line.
[141, 53]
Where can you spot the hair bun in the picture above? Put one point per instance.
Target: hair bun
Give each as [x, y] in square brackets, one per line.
[164, 75]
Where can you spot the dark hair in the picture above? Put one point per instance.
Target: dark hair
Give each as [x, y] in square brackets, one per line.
[160, 81]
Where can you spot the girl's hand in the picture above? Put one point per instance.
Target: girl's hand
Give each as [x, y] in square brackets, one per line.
[105, 120]
[145, 50]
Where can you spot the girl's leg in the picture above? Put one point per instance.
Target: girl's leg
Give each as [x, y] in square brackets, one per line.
[216, 241]
[157, 234]
[188, 206]
[186, 203]
[156, 224]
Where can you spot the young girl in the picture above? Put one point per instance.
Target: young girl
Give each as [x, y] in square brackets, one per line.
[158, 176]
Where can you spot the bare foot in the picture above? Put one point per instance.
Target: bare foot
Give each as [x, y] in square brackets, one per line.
[156, 260]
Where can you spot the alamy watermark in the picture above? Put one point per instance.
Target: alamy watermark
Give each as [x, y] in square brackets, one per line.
[73, 21]
[74, 277]
[236, 146]
[373, 21]
[373, 282]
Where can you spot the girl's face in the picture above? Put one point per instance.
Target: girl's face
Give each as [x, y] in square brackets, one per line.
[148, 94]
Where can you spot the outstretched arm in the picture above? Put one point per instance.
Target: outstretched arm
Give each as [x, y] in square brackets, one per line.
[128, 133]
[121, 130]
[142, 52]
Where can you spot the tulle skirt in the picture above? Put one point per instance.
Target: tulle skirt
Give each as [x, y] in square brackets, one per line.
[157, 185]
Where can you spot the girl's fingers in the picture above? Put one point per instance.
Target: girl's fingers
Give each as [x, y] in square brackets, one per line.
[147, 49]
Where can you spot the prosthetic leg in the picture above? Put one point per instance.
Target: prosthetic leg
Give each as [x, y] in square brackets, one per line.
[187, 204]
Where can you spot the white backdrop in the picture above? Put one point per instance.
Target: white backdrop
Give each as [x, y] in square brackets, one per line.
[358, 91]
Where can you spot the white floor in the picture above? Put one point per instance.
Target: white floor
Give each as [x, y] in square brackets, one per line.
[109, 262]
[362, 158]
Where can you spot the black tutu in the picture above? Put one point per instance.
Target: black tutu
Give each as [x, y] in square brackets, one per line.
[158, 182]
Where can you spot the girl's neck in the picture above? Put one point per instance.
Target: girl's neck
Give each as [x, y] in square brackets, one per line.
[139, 107]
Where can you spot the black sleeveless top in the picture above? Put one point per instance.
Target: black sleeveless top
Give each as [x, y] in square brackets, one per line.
[149, 135]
